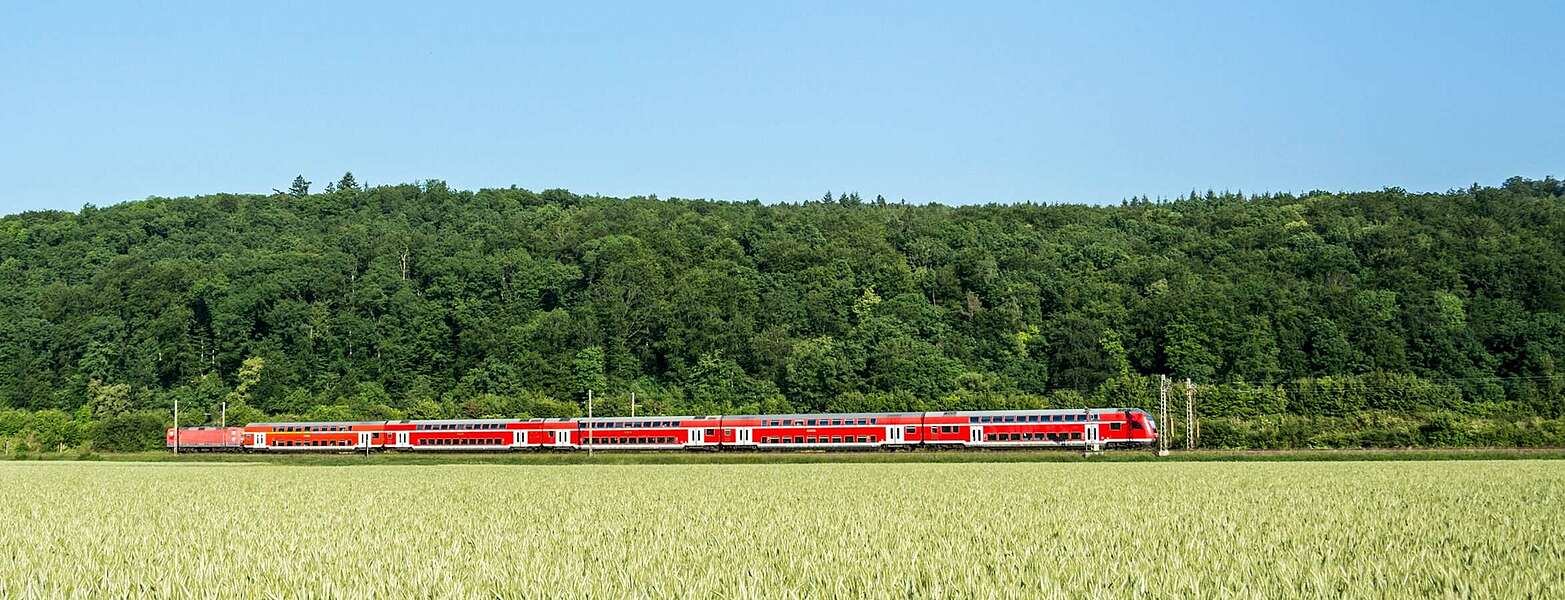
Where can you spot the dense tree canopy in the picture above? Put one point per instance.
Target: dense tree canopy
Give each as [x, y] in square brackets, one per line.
[421, 301]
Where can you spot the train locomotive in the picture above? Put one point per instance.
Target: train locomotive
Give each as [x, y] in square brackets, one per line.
[1087, 429]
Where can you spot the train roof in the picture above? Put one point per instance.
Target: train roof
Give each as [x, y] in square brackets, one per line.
[827, 415]
[1032, 411]
[645, 419]
[302, 423]
[453, 421]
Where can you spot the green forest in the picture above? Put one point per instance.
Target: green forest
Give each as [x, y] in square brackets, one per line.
[1383, 318]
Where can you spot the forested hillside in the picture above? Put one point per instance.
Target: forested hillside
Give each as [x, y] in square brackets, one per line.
[1379, 318]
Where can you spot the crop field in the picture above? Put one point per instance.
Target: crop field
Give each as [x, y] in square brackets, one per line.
[1114, 530]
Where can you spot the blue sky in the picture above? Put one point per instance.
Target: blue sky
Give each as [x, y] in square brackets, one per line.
[948, 102]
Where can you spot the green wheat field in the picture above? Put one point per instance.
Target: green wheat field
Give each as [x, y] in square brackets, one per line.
[1468, 529]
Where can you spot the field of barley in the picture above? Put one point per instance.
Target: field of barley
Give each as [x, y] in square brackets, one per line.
[1157, 530]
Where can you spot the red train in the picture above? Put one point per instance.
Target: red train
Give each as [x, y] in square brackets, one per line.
[1092, 429]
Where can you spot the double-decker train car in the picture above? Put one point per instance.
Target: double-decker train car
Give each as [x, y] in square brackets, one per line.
[314, 436]
[1092, 429]
[649, 433]
[822, 431]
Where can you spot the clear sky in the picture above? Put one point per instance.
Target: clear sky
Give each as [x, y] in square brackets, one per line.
[943, 101]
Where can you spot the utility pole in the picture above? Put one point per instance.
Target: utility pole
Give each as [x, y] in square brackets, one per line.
[1162, 415]
[176, 425]
[633, 404]
[225, 414]
[1189, 414]
[590, 424]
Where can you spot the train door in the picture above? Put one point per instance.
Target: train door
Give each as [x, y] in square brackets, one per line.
[562, 437]
[402, 438]
[975, 434]
[696, 436]
[894, 434]
[1090, 435]
[742, 435]
[518, 438]
[260, 440]
[364, 439]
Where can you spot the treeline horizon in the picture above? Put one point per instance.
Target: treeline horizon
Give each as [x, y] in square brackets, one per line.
[1367, 318]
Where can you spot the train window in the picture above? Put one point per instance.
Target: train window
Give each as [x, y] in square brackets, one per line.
[810, 422]
[1114, 426]
[1075, 436]
[873, 420]
[836, 440]
[711, 432]
[1135, 425]
[911, 430]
